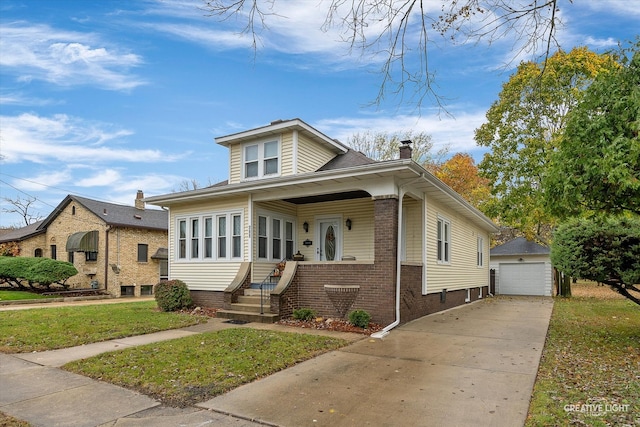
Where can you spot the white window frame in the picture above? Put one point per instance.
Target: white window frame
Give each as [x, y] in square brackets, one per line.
[480, 252]
[204, 240]
[262, 159]
[443, 240]
[271, 237]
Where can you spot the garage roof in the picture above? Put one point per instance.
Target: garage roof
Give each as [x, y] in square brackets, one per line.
[520, 246]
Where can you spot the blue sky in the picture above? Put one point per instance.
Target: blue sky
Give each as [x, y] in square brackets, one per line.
[102, 98]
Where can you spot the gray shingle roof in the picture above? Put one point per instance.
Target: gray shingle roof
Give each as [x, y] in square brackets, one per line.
[116, 215]
[22, 233]
[128, 216]
[520, 246]
[349, 159]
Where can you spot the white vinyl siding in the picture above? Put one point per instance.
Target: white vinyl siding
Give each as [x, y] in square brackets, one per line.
[462, 272]
[311, 155]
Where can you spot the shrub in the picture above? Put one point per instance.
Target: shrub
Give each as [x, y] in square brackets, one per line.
[41, 271]
[172, 295]
[304, 314]
[359, 318]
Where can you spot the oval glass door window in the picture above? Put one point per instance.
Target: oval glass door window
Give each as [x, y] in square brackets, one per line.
[330, 244]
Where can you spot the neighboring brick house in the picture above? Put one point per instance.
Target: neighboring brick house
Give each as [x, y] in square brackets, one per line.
[387, 237]
[122, 249]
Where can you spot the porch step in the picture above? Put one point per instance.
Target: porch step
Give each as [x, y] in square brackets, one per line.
[249, 307]
[247, 316]
[253, 299]
[256, 293]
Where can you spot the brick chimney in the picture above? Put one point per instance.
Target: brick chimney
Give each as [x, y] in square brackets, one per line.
[405, 149]
[139, 202]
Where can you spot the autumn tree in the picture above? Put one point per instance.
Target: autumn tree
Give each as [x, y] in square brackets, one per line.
[398, 33]
[523, 129]
[385, 146]
[461, 173]
[596, 167]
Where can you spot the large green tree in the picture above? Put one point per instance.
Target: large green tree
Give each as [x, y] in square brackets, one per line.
[607, 251]
[596, 167]
[523, 129]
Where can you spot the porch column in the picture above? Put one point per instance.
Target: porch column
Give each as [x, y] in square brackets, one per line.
[385, 253]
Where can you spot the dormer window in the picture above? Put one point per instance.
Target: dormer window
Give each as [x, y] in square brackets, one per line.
[261, 159]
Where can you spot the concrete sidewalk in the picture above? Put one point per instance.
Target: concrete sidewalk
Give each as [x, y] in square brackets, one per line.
[471, 366]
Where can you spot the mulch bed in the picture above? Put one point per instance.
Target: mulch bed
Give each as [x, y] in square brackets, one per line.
[331, 325]
[321, 323]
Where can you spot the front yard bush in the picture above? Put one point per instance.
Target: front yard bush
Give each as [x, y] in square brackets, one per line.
[23, 272]
[304, 314]
[359, 318]
[172, 295]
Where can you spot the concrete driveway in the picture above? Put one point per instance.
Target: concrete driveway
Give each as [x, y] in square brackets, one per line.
[471, 366]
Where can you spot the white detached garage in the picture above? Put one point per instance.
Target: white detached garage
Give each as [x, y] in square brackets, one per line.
[522, 267]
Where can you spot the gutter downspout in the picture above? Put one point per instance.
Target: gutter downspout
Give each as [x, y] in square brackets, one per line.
[106, 256]
[385, 331]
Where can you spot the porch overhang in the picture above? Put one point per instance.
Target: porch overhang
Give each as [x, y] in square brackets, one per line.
[83, 241]
[381, 179]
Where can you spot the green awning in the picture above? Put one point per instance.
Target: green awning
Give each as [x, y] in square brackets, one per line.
[83, 241]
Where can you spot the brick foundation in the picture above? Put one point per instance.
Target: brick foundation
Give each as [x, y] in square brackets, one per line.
[212, 299]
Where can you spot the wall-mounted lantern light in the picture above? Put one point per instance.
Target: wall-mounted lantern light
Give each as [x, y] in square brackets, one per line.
[348, 223]
[306, 227]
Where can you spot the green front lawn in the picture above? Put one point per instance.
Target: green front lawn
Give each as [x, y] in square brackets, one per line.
[590, 370]
[11, 295]
[194, 369]
[51, 328]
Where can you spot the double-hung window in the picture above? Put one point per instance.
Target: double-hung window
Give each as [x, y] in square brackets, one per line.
[444, 241]
[209, 237]
[222, 236]
[195, 237]
[480, 256]
[275, 237]
[261, 159]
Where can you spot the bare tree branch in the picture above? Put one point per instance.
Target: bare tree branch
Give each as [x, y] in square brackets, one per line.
[23, 207]
[399, 31]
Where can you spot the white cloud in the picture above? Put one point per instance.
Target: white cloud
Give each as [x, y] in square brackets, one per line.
[456, 133]
[65, 58]
[104, 178]
[60, 138]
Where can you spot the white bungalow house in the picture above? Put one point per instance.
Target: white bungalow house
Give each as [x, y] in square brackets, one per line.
[314, 224]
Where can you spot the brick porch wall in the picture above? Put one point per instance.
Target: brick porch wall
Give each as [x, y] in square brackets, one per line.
[377, 281]
[213, 299]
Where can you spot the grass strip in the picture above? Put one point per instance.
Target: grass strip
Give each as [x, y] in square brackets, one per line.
[60, 327]
[7, 295]
[194, 369]
[590, 369]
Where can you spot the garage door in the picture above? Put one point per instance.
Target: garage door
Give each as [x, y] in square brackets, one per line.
[521, 279]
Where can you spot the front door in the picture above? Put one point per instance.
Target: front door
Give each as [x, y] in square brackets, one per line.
[329, 247]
